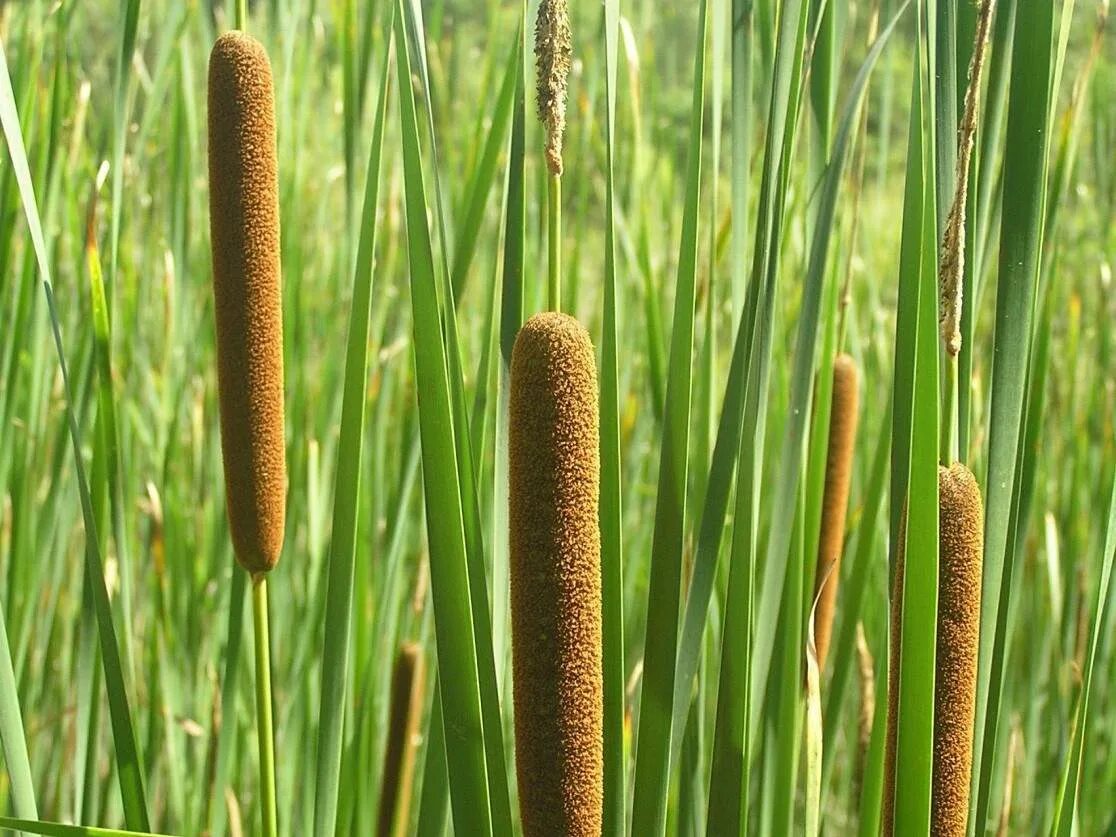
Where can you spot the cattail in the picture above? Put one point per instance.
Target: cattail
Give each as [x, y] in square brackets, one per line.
[407, 682]
[553, 50]
[556, 578]
[244, 227]
[866, 674]
[960, 558]
[838, 470]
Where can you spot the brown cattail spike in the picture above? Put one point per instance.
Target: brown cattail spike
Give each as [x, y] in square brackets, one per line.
[553, 51]
[838, 471]
[554, 473]
[960, 559]
[244, 228]
[405, 713]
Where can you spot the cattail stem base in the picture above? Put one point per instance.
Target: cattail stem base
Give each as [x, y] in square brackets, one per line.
[264, 723]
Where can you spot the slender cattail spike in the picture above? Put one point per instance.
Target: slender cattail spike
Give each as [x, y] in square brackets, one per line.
[838, 470]
[553, 50]
[556, 578]
[960, 561]
[405, 713]
[866, 674]
[244, 228]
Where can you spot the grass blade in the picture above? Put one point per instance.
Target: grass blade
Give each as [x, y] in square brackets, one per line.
[652, 766]
[449, 577]
[339, 590]
[1024, 199]
[611, 508]
[129, 768]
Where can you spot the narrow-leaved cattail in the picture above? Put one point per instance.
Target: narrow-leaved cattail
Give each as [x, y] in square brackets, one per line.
[960, 559]
[554, 473]
[960, 562]
[835, 502]
[404, 715]
[244, 228]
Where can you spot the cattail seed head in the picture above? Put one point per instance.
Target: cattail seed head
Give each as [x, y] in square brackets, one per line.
[405, 713]
[835, 503]
[553, 51]
[960, 562]
[244, 228]
[554, 473]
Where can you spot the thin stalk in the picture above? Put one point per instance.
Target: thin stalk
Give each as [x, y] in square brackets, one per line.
[242, 15]
[263, 707]
[553, 245]
[948, 450]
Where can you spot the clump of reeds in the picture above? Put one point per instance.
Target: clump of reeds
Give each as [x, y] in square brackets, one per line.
[556, 577]
[960, 559]
[244, 227]
[838, 472]
[404, 716]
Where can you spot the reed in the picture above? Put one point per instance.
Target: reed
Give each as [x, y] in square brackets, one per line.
[408, 680]
[244, 230]
[555, 578]
[835, 502]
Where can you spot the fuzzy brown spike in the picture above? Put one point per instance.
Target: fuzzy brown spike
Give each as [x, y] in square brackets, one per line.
[405, 713]
[838, 473]
[244, 229]
[960, 560]
[554, 473]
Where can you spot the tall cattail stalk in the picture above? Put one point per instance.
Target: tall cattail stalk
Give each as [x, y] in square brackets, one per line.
[553, 53]
[556, 578]
[244, 229]
[835, 502]
[960, 562]
[404, 716]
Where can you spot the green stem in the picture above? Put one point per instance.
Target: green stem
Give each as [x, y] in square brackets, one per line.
[242, 15]
[553, 249]
[263, 707]
[947, 451]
